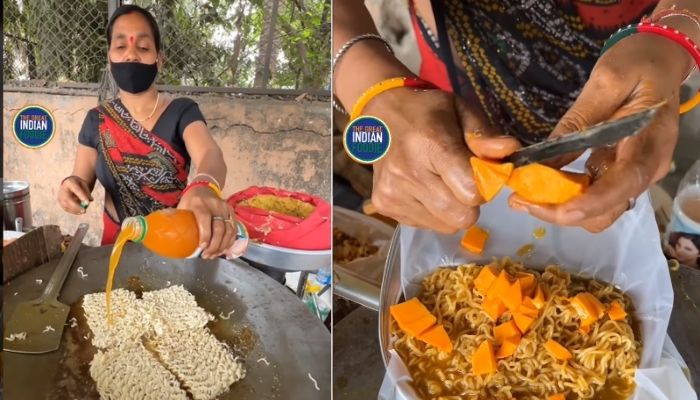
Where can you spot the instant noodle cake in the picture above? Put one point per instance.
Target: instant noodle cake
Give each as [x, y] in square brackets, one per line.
[130, 372]
[174, 309]
[129, 323]
[158, 345]
[204, 365]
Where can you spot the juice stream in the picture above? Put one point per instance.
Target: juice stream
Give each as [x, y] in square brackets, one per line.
[169, 233]
[124, 236]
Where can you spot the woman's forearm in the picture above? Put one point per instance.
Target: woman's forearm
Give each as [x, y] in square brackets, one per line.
[85, 165]
[206, 154]
[212, 163]
[683, 24]
[366, 62]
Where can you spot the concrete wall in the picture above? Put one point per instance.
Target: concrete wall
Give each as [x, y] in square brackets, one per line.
[281, 143]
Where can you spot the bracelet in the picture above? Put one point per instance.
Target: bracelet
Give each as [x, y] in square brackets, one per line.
[198, 174]
[672, 12]
[344, 49]
[337, 107]
[668, 33]
[382, 87]
[210, 185]
[68, 177]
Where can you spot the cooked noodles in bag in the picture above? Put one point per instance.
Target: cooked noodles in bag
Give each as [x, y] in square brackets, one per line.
[552, 351]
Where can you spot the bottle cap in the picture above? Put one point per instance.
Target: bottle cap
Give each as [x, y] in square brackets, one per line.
[141, 227]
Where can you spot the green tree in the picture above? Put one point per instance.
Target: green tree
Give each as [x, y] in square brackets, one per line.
[206, 42]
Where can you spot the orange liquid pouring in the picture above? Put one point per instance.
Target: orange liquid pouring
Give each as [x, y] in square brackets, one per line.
[169, 233]
[125, 235]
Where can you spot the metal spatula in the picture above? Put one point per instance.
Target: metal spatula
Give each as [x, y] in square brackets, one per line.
[36, 326]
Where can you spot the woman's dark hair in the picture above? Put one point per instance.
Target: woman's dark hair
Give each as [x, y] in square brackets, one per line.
[695, 239]
[128, 9]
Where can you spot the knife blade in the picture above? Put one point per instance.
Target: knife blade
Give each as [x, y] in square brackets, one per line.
[596, 136]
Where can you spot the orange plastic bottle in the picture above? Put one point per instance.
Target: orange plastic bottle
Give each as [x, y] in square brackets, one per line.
[169, 232]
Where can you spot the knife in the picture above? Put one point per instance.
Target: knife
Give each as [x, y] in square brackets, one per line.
[596, 136]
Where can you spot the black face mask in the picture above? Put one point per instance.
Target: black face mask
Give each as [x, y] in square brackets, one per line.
[134, 77]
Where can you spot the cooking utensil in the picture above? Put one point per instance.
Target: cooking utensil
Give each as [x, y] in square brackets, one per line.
[287, 259]
[268, 325]
[36, 326]
[390, 294]
[16, 203]
[596, 136]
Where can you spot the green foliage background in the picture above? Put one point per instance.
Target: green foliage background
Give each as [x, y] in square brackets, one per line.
[206, 42]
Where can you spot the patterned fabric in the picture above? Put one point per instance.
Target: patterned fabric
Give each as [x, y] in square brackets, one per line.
[527, 60]
[149, 174]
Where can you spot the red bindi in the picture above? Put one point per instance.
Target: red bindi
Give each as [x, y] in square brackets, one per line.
[131, 39]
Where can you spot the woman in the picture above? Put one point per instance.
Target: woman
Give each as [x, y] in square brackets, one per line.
[141, 144]
[684, 247]
[515, 72]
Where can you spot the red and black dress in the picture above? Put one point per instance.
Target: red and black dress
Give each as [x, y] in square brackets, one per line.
[525, 61]
[142, 171]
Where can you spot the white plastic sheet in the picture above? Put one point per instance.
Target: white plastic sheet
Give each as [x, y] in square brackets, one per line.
[628, 254]
[369, 230]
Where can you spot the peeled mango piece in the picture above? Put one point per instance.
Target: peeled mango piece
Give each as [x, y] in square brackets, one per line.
[490, 176]
[541, 184]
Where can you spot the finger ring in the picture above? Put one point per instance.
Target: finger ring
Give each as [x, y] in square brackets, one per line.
[631, 202]
[222, 219]
[596, 171]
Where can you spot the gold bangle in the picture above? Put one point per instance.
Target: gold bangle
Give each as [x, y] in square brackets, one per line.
[210, 177]
[213, 186]
[382, 87]
[690, 104]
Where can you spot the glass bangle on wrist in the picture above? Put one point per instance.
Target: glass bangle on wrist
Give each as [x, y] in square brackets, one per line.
[210, 177]
[669, 33]
[208, 184]
[673, 12]
[344, 49]
[383, 86]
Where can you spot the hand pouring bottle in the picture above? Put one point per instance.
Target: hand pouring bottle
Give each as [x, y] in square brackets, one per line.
[169, 232]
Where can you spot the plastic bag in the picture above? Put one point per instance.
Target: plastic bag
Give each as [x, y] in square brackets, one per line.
[310, 233]
[628, 254]
[369, 230]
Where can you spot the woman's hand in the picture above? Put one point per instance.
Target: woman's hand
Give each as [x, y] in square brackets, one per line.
[215, 219]
[73, 192]
[638, 72]
[425, 179]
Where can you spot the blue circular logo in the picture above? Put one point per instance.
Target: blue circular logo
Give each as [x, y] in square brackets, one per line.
[366, 139]
[33, 126]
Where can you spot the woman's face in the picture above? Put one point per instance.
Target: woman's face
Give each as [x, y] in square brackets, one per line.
[686, 252]
[132, 40]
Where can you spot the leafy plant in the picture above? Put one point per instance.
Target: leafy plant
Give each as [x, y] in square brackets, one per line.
[206, 42]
